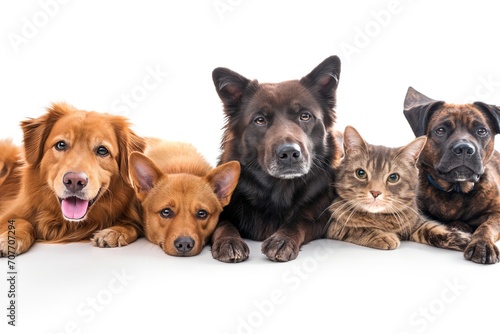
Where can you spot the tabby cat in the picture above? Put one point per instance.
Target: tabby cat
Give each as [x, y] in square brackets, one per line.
[376, 203]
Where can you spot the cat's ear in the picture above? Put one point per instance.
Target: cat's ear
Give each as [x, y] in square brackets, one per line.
[353, 142]
[412, 151]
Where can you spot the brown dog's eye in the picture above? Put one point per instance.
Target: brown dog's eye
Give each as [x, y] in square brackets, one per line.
[102, 151]
[61, 146]
[440, 131]
[202, 214]
[166, 213]
[305, 116]
[260, 121]
[482, 132]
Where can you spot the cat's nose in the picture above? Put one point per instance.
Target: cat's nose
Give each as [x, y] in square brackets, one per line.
[375, 193]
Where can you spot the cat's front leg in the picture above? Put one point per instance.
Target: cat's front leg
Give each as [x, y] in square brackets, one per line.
[365, 237]
[440, 235]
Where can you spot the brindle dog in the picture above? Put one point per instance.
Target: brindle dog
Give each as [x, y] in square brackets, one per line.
[459, 168]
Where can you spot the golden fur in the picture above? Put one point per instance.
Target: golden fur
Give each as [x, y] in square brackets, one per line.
[66, 140]
[10, 173]
[181, 195]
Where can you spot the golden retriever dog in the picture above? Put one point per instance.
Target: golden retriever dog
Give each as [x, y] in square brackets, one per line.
[181, 194]
[10, 172]
[75, 185]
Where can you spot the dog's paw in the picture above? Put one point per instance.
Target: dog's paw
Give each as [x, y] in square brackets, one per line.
[385, 241]
[280, 248]
[230, 250]
[109, 238]
[18, 245]
[483, 252]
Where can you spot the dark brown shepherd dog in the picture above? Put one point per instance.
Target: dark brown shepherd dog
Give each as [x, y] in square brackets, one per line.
[459, 168]
[282, 135]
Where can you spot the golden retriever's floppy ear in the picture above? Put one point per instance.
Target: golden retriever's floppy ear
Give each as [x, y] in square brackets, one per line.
[144, 173]
[224, 180]
[128, 142]
[36, 131]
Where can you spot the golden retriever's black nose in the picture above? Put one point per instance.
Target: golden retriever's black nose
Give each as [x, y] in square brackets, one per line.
[75, 182]
[463, 149]
[184, 244]
[288, 153]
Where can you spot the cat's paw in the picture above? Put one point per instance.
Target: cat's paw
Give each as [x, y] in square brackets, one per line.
[385, 241]
[230, 250]
[280, 248]
[457, 240]
[482, 251]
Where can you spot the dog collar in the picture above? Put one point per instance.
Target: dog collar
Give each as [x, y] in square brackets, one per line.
[456, 186]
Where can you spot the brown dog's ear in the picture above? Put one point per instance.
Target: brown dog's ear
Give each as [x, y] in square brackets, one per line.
[144, 173]
[128, 142]
[492, 112]
[36, 131]
[231, 86]
[417, 110]
[224, 179]
[324, 79]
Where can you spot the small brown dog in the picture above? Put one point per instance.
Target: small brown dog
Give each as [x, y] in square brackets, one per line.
[181, 195]
[76, 182]
[10, 173]
[459, 180]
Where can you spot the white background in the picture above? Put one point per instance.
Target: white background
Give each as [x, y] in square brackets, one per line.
[93, 54]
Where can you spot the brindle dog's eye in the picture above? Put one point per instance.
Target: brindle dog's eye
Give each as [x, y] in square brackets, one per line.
[202, 214]
[166, 213]
[102, 151]
[482, 132]
[61, 145]
[440, 131]
[393, 178]
[305, 116]
[361, 174]
[260, 121]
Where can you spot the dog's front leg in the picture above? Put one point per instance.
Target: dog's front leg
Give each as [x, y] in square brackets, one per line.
[284, 244]
[482, 248]
[16, 236]
[227, 244]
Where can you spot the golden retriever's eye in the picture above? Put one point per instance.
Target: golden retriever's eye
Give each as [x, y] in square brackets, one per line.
[61, 145]
[202, 214]
[166, 213]
[102, 151]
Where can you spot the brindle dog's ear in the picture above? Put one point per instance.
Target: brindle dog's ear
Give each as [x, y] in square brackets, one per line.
[417, 109]
[324, 79]
[231, 87]
[492, 112]
[36, 131]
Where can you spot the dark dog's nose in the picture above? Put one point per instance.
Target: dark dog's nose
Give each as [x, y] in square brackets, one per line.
[184, 244]
[463, 149]
[288, 153]
[75, 181]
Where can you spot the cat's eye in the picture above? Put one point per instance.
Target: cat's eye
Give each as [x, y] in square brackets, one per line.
[482, 132]
[441, 131]
[393, 178]
[361, 174]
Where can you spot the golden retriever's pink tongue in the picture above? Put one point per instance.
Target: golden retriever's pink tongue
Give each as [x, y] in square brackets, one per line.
[74, 208]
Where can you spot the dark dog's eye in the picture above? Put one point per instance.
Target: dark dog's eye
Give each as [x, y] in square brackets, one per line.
[440, 131]
[361, 174]
[305, 116]
[166, 213]
[393, 178]
[61, 145]
[482, 132]
[260, 121]
[202, 214]
[102, 151]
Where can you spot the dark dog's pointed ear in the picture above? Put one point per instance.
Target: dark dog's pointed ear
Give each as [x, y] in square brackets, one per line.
[492, 112]
[417, 109]
[324, 79]
[230, 86]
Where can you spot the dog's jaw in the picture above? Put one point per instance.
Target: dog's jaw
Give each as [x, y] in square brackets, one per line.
[75, 207]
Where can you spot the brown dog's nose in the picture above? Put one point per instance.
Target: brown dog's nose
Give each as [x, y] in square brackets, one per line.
[184, 244]
[75, 182]
[464, 148]
[288, 153]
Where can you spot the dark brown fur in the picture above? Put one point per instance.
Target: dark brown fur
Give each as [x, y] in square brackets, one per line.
[113, 217]
[11, 164]
[459, 168]
[282, 135]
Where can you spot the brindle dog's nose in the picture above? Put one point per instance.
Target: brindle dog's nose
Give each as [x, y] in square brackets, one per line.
[464, 149]
[75, 182]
